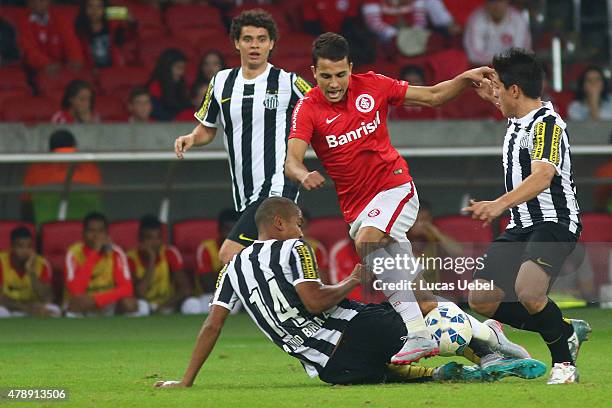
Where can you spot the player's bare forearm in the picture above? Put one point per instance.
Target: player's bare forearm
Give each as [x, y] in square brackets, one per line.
[529, 188]
[318, 297]
[294, 163]
[203, 135]
[205, 343]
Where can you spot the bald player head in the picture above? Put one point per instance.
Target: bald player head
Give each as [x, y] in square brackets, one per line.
[278, 218]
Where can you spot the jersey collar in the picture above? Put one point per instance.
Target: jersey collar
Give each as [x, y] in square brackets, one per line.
[526, 120]
[253, 80]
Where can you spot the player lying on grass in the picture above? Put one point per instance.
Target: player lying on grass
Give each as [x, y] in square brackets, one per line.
[341, 341]
[545, 225]
[344, 119]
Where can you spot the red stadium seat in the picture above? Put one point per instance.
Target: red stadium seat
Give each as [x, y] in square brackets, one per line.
[151, 49]
[464, 229]
[149, 20]
[125, 233]
[447, 64]
[13, 14]
[67, 11]
[56, 237]
[111, 108]
[187, 236]
[13, 79]
[184, 16]
[298, 45]
[112, 80]
[596, 227]
[54, 84]
[29, 109]
[328, 230]
[469, 105]
[5, 232]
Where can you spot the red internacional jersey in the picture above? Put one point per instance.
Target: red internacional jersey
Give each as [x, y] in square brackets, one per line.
[351, 138]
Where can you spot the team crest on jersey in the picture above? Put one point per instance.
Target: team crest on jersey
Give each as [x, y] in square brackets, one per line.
[271, 101]
[364, 103]
[374, 213]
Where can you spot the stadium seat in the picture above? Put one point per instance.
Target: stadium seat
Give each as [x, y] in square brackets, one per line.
[111, 108]
[469, 105]
[125, 233]
[298, 45]
[463, 228]
[13, 14]
[149, 20]
[447, 64]
[56, 84]
[29, 109]
[5, 232]
[185, 16]
[151, 49]
[328, 230]
[187, 236]
[13, 79]
[68, 12]
[596, 227]
[114, 79]
[56, 238]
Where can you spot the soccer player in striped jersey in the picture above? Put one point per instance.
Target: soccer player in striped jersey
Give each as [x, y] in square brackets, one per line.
[524, 261]
[341, 341]
[253, 103]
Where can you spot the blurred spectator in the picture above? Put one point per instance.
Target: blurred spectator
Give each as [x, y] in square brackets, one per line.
[340, 16]
[207, 255]
[102, 31]
[603, 192]
[492, 29]
[8, 43]
[47, 40]
[320, 251]
[211, 63]
[97, 275]
[462, 9]
[429, 242]
[25, 279]
[160, 283]
[140, 106]
[196, 96]
[168, 86]
[592, 100]
[386, 18]
[43, 207]
[415, 76]
[77, 104]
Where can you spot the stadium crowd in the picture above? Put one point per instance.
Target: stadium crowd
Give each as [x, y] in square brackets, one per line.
[104, 61]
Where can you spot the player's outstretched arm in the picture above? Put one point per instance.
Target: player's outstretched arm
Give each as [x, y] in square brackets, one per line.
[207, 338]
[539, 180]
[443, 92]
[295, 168]
[318, 297]
[200, 135]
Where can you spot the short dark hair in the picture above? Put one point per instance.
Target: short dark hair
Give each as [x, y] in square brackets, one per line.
[95, 216]
[331, 46]
[580, 94]
[149, 222]
[520, 67]
[61, 138]
[138, 91]
[20, 233]
[273, 206]
[255, 18]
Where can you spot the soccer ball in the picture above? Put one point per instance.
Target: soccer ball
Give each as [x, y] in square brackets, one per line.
[450, 327]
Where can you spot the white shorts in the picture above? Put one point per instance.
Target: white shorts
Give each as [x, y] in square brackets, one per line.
[392, 211]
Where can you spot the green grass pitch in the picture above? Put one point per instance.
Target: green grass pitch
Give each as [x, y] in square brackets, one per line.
[113, 362]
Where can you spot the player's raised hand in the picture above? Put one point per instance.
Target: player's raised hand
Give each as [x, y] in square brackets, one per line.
[359, 272]
[169, 384]
[182, 144]
[477, 75]
[313, 180]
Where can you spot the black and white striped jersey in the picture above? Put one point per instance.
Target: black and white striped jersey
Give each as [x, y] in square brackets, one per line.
[541, 135]
[263, 276]
[256, 117]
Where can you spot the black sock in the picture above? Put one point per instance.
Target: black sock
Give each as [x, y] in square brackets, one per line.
[513, 314]
[553, 330]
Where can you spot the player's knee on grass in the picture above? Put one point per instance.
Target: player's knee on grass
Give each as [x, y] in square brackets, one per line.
[531, 287]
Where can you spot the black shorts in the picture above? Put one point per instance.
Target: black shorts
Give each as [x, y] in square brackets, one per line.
[548, 244]
[245, 229]
[367, 345]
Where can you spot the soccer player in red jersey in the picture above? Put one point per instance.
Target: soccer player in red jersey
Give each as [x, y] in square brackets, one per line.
[344, 119]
